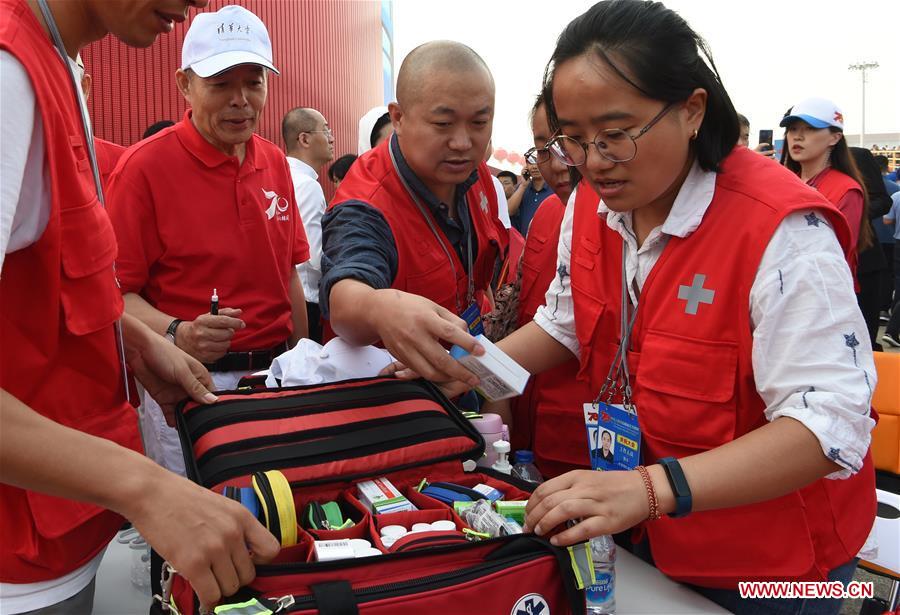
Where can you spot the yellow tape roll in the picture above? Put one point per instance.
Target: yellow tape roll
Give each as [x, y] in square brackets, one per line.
[277, 501]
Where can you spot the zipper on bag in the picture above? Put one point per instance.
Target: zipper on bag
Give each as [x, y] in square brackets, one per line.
[204, 419]
[298, 437]
[347, 454]
[402, 588]
[295, 403]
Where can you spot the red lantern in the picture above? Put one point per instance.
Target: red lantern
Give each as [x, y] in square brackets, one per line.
[516, 158]
[500, 154]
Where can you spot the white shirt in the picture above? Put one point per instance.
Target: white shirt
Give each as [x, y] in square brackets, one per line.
[812, 359]
[24, 213]
[311, 203]
[24, 187]
[502, 204]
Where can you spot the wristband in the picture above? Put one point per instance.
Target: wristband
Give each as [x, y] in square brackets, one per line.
[684, 502]
[652, 500]
[172, 329]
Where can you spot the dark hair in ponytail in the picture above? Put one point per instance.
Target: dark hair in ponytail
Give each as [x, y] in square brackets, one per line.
[663, 54]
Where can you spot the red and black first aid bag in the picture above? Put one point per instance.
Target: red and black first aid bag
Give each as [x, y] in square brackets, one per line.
[325, 439]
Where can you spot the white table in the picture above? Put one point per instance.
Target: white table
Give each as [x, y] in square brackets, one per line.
[640, 589]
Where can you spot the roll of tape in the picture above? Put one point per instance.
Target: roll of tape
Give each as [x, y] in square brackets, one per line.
[277, 503]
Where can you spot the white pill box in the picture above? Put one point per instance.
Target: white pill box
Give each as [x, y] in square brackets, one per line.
[330, 550]
[501, 377]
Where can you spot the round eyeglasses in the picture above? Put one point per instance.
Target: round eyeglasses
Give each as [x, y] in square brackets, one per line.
[537, 155]
[325, 131]
[614, 144]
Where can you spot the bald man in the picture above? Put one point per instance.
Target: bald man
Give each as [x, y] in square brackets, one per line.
[411, 237]
[309, 144]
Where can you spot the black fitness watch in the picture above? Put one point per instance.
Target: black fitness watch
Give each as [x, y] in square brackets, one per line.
[684, 502]
[173, 327]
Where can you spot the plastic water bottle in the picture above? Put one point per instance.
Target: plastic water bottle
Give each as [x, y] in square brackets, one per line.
[525, 469]
[140, 558]
[600, 598]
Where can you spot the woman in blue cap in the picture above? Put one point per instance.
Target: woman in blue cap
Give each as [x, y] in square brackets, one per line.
[815, 149]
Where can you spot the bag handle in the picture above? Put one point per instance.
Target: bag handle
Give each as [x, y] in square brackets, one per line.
[335, 598]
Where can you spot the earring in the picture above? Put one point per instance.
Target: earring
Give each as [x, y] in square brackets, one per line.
[694, 137]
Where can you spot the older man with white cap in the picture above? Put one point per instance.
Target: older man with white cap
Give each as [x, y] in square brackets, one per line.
[206, 210]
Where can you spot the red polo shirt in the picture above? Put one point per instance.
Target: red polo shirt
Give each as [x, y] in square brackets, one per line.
[189, 218]
[108, 154]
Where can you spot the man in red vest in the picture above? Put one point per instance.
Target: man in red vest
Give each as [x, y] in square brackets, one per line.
[70, 452]
[411, 238]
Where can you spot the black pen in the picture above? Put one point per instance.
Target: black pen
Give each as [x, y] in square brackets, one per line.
[214, 303]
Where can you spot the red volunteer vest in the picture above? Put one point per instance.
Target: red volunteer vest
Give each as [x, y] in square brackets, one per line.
[422, 265]
[834, 186]
[58, 303]
[510, 268]
[693, 379]
[548, 416]
[539, 256]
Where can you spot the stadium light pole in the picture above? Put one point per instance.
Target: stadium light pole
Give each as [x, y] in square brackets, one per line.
[862, 67]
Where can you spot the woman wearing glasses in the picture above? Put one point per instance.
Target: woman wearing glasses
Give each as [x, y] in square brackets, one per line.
[709, 294]
[548, 414]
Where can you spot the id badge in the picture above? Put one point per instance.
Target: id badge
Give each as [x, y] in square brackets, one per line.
[472, 316]
[614, 437]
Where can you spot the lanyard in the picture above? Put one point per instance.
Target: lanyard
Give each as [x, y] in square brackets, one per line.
[92, 155]
[618, 370]
[470, 295]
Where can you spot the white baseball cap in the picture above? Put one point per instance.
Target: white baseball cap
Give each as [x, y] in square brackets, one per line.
[227, 38]
[817, 112]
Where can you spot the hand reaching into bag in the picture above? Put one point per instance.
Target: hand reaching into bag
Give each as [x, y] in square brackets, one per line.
[167, 373]
[212, 541]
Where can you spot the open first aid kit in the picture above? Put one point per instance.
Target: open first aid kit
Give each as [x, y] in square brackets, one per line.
[362, 482]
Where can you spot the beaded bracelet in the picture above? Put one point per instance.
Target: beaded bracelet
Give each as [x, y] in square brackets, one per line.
[652, 500]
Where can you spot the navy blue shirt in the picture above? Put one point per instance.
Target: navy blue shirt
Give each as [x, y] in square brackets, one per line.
[357, 241]
[531, 200]
[885, 233]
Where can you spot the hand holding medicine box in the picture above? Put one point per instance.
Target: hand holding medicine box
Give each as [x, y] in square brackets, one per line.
[501, 377]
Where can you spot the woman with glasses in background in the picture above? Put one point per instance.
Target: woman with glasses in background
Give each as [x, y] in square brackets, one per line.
[548, 414]
[708, 293]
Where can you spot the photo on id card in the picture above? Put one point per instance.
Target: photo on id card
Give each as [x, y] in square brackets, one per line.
[614, 438]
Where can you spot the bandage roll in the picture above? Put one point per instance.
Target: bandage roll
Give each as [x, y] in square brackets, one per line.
[277, 503]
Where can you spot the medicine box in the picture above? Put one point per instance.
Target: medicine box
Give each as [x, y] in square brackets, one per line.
[381, 497]
[500, 376]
